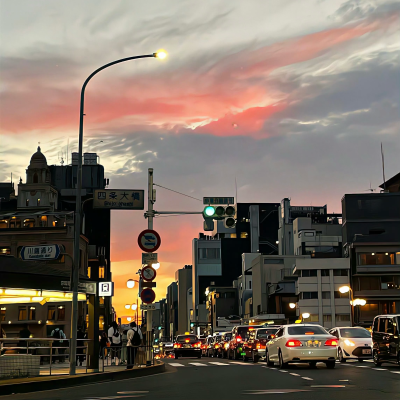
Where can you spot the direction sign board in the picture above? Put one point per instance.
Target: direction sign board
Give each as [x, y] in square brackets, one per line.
[149, 258]
[148, 273]
[218, 200]
[148, 307]
[148, 295]
[113, 199]
[106, 289]
[149, 241]
[43, 252]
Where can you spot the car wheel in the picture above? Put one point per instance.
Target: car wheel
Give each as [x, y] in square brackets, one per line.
[341, 358]
[330, 364]
[281, 363]
[313, 364]
[269, 363]
[376, 359]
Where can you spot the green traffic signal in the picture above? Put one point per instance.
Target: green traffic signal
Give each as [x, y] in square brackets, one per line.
[192, 325]
[209, 211]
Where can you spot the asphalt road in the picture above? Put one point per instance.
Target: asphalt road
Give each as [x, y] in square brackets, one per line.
[209, 379]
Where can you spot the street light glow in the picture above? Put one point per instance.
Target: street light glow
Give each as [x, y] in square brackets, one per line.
[134, 307]
[130, 283]
[292, 305]
[129, 319]
[344, 289]
[161, 54]
[305, 315]
[127, 306]
[359, 302]
[156, 265]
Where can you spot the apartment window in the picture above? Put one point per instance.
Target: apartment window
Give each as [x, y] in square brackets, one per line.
[22, 313]
[309, 295]
[38, 202]
[51, 313]
[327, 318]
[381, 258]
[209, 254]
[29, 223]
[61, 313]
[43, 221]
[101, 300]
[312, 318]
[308, 272]
[5, 250]
[27, 202]
[101, 272]
[233, 236]
[243, 235]
[326, 295]
[343, 317]
[369, 283]
[32, 313]
[101, 322]
[325, 272]
[3, 313]
[89, 272]
[340, 272]
[339, 295]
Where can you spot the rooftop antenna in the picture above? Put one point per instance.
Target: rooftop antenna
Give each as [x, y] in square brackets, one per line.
[370, 188]
[236, 190]
[383, 167]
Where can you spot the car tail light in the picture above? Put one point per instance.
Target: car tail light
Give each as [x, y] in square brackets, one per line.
[187, 340]
[197, 345]
[272, 336]
[177, 346]
[331, 342]
[293, 343]
[226, 345]
[216, 346]
[260, 346]
[238, 339]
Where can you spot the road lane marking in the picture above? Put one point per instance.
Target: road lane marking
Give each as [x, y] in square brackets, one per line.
[306, 378]
[239, 363]
[218, 363]
[282, 370]
[198, 364]
[328, 386]
[362, 366]
[395, 372]
[292, 373]
[176, 365]
[380, 369]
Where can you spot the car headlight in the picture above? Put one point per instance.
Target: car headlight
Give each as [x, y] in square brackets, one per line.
[349, 342]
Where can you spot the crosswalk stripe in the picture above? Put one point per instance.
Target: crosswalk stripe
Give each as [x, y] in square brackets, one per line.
[380, 369]
[198, 364]
[176, 365]
[239, 363]
[294, 374]
[217, 363]
[395, 372]
[306, 378]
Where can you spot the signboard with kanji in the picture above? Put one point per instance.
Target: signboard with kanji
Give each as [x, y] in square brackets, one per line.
[218, 200]
[128, 199]
[42, 252]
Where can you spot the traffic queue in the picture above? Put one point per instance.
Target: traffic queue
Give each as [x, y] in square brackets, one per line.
[298, 343]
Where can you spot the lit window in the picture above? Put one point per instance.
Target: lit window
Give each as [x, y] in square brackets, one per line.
[101, 272]
[101, 322]
[51, 313]
[89, 272]
[27, 202]
[38, 202]
[233, 236]
[22, 314]
[101, 300]
[32, 313]
[243, 235]
[61, 313]
[3, 314]
[5, 250]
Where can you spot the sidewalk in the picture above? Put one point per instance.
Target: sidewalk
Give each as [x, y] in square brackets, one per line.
[62, 380]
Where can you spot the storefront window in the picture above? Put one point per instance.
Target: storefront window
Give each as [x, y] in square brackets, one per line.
[3, 313]
[22, 314]
[5, 250]
[101, 322]
[378, 258]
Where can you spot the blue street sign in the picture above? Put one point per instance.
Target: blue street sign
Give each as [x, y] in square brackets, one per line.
[43, 252]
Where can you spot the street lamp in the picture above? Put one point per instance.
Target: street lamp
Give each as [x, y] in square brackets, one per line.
[353, 302]
[292, 305]
[75, 271]
[127, 306]
[155, 265]
[130, 283]
[305, 315]
[134, 307]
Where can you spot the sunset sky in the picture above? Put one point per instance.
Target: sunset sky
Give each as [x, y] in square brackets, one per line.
[292, 98]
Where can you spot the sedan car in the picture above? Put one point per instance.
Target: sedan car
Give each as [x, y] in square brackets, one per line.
[302, 343]
[354, 343]
[239, 334]
[255, 344]
[223, 348]
[187, 346]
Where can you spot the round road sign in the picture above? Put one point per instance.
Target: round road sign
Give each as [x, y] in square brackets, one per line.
[149, 273]
[148, 295]
[149, 241]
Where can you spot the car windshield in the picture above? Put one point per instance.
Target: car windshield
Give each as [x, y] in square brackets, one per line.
[217, 339]
[203, 340]
[242, 330]
[354, 333]
[264, 333]
[185, 338]
[307, 330]
[227, 337]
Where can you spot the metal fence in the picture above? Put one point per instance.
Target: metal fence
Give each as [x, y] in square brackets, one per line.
[24, 358]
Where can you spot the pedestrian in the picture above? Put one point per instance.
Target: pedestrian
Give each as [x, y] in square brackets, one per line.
[58, 343]
[103, 344]
[115, 340]
[135, 339]
[80, 346]
[124, 341]
[25, 333]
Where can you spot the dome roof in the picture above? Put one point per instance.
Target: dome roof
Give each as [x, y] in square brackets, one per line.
[38, 160]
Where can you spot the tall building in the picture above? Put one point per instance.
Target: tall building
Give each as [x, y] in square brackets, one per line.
[183, 278]
[371, 242]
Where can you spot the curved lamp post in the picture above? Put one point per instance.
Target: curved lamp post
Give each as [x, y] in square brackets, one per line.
[353, 302]
[75, 275]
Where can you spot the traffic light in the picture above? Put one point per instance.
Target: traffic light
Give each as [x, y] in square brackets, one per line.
[192, 324]
[226, 213]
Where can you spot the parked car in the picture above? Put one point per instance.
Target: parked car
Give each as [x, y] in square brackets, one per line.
[255, 344]
[187, 346]
[224, 345]
[302, 343]
[354, 343]
[386, 339]
[216, 343]
[239, 333]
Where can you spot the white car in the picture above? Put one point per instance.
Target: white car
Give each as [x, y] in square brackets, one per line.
[354, 343]
[302, 343]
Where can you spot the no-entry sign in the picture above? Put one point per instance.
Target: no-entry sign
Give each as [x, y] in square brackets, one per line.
[149, 241]
[148, 295]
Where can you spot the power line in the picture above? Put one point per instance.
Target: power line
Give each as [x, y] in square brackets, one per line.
[166, 216]
[195, 198]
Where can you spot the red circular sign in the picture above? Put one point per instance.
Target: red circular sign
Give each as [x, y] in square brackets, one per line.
[148, 273]
[149, 241]
[148, 295]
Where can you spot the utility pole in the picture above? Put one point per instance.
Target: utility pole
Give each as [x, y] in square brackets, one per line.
[150, 216]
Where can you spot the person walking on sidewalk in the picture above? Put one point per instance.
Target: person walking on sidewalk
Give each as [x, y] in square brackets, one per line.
[115, 340]
[135, 339]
